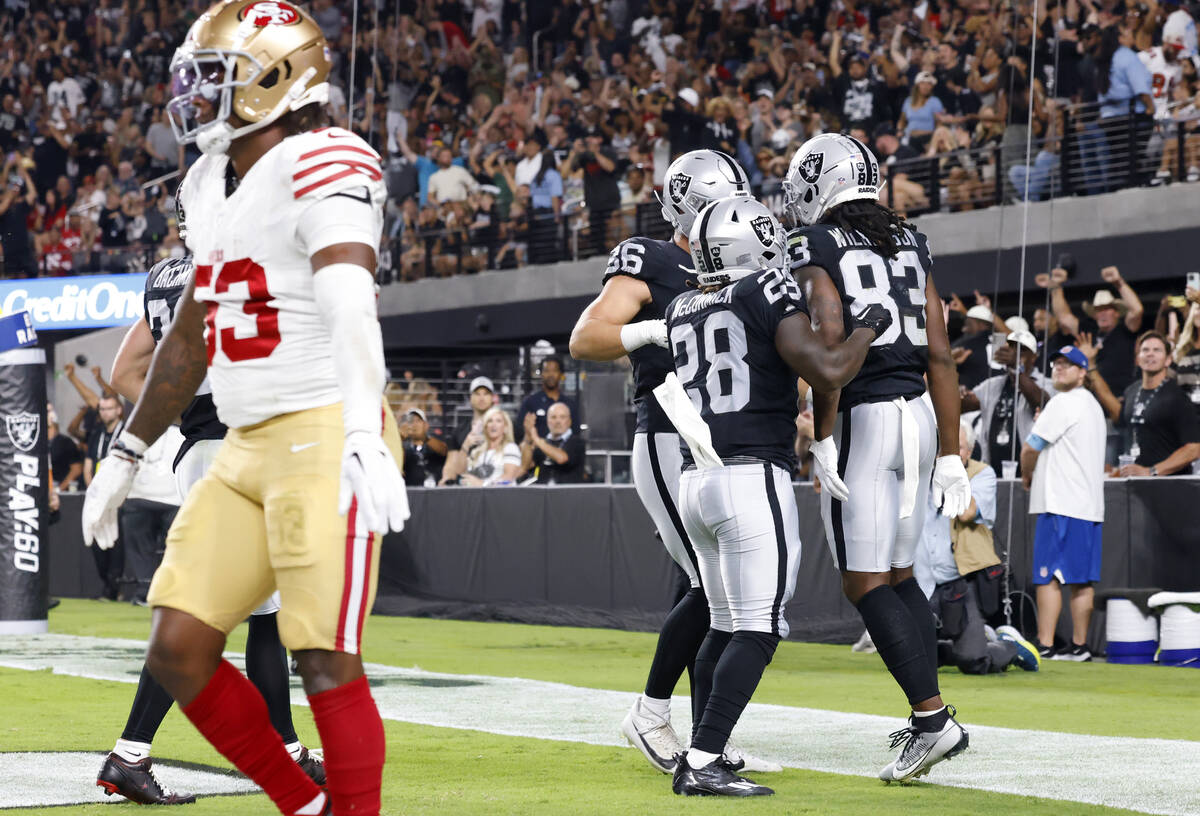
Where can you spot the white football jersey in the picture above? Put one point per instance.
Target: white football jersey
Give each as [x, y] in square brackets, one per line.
[1163, 77]
[269, 351]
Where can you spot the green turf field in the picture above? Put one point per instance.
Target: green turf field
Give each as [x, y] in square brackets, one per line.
[448, 770]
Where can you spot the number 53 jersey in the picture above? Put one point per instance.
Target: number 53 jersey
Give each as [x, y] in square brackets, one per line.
[898, 359]
[269, 351]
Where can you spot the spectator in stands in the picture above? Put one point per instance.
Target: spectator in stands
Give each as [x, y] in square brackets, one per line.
[971, 350]
[424, 453]
[1008, 402]
[954, 560]
[1164, 431]
[16, 205]
[1114, 323]
[560, 456]
[860, 100]
[538, 403]
[905, 173]
[686, 127]
[451, 182]
[482, 396]
[495, 459]
[1126, 106]
[1187, 351]
[601, 169]
[921, 113]
[1062, 465]
[66, 460]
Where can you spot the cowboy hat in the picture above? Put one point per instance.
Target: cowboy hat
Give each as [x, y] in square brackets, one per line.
[1104, 300]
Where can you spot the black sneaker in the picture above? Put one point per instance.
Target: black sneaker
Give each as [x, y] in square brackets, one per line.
[1077, 653]
[714, 779]
[1047, 652]
[137, 783]
[312, 765]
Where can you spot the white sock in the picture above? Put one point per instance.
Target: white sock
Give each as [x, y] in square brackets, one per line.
[131, 751]
[294, 748]
[698, 759]
[313, 808]
[661, 708]
[928, 713]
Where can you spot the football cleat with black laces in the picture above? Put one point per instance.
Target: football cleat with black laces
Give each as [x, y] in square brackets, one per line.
[714, 779]
[137, 783]
[924, 749]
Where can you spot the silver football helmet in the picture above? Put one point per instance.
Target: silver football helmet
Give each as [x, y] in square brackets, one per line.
[829, 169]
[736, 237]
[696, 179]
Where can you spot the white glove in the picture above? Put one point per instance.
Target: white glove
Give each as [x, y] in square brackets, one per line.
[636, 335]
[108, 490]
[825, 457]
[370, 474]
[951, 487]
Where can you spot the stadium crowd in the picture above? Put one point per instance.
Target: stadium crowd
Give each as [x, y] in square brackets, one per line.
[518, 132]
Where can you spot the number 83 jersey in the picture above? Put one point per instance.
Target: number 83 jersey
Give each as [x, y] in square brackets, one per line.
[269, 351]
[898, 359]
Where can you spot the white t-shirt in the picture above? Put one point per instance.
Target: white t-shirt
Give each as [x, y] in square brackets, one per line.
[1069, 477]
[488, 464]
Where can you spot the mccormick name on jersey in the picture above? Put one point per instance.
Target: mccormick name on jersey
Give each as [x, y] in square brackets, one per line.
[698, 303]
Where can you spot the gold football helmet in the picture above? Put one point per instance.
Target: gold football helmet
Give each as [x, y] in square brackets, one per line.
[250, 59]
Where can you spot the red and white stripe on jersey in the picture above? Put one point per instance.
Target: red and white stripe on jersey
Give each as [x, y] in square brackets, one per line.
[356, 584]
[332, 155]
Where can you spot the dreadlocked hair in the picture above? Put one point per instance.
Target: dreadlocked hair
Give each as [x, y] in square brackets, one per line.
[873, 221]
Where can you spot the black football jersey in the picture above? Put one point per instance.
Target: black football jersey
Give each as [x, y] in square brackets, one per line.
[667, 270]
[164, 285]
[898, 359]
[723, 344]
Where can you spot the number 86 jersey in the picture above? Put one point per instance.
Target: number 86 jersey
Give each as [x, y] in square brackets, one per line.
[269, 351]
[898, 359]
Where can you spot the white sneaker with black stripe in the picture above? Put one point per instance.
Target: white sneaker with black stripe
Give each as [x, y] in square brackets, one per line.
[924, 749]
[653, 736]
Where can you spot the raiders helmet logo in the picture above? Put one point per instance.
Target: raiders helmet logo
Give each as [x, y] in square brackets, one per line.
[764, 229]
[270, 12]
[810, 167]
[23, 430]
[678, 187]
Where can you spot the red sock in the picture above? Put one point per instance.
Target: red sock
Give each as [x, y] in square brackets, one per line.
[232, 715]
[352, 736]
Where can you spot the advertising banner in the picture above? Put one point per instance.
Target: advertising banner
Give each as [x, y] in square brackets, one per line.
[88, 301]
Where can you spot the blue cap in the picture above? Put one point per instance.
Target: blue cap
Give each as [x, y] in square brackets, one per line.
[1072, 354]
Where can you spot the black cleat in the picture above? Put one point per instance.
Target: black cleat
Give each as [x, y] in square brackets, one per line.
[714, 779]
[137, 783]
[312, 765]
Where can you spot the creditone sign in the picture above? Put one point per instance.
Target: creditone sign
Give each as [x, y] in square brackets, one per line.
[85, 302]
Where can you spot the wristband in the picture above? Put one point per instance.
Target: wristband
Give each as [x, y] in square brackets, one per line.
[129, 444]
[632, 336]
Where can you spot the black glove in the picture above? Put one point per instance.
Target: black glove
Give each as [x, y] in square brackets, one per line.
[873, 316]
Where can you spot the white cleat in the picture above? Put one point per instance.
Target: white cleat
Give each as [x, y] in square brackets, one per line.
[924, 749]
[653, 736]
[864, 644]
[740, 760]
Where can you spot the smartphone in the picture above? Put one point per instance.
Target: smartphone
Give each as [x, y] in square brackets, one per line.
[1193, 280]
[999, 340]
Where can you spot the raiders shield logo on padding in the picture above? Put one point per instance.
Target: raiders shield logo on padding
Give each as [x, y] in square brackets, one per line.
[810, 167]
[764, 229]
[23, 430]
[679, 186]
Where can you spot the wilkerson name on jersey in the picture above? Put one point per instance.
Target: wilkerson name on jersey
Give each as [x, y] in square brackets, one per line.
[164, 285]
[269, 351]
[898, 359]
[723, 347]
[667, 271]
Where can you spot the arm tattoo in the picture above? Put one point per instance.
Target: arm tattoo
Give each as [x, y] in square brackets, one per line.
[179, 365]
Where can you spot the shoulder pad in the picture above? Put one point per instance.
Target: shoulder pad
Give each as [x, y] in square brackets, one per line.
[627, 258]
[332, 160]
[810, 246]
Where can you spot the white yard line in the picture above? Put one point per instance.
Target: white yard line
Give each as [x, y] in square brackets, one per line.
[1147, 775]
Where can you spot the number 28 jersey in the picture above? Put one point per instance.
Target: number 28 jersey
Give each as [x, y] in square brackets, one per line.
[269, 351]
[898, 359]
[723, 344]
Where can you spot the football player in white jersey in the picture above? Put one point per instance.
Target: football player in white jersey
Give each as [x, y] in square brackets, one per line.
[285, 218]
